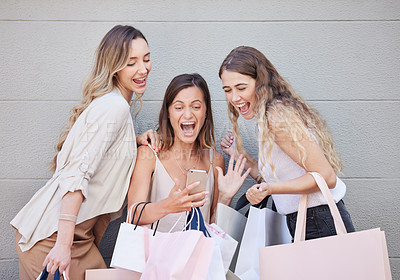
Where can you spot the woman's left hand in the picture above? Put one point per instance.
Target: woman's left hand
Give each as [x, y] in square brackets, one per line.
[229, 184]
[257, 193]
[150, 137]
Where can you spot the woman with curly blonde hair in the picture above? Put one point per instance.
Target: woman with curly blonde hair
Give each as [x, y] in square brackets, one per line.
[293, 140]
[62, 225]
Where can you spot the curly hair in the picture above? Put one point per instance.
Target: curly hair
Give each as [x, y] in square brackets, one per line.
[112, 55]
[277, 106]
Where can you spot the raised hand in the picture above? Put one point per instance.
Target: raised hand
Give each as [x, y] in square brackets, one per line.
[229, 184]
[228, 144]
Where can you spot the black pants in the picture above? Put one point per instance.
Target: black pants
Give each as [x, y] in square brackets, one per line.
[320, 221]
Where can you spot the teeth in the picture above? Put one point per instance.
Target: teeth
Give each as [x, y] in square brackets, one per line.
[188, 123]
[142, 79]
[240, 105]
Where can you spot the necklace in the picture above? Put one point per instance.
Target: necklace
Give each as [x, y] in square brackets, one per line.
[185, 170]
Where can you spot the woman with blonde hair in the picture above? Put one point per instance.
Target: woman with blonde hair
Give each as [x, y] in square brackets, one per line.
[62, 225]
[293, 140]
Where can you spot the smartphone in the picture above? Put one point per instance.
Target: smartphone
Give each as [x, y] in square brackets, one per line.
[197, 175]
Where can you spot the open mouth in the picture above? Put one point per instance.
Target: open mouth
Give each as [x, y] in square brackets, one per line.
[188, 128]
[140, 82]
[243, 107]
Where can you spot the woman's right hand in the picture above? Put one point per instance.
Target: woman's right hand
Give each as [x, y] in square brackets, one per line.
[228, 144]
[59, 257]
[179, 199]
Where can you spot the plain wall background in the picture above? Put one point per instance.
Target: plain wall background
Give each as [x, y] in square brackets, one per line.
[341, 56]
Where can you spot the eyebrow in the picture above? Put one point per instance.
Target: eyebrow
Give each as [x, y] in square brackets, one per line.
[179, 101]
[239, 84]
[134, 57]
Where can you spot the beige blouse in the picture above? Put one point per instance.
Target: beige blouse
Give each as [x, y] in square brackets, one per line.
[97, 158]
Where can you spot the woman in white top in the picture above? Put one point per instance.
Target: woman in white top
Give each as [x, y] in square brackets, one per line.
[187, 129]
[62, 225]
[293, 140]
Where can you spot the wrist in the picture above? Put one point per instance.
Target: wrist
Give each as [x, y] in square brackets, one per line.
[225, 199]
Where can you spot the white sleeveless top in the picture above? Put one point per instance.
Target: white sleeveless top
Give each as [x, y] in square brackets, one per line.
[161, 185]
[287, 169]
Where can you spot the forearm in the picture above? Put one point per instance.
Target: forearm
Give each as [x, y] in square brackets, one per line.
[70, 206]
[153, 212]
[302, 185]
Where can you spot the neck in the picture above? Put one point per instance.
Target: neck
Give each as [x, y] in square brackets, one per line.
[126, 94]
[184, 149]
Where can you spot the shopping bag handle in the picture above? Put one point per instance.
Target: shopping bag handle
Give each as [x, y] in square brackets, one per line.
[300, 232]
[45, 274]
[130, 217]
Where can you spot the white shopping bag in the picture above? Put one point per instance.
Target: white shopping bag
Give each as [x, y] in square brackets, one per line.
[129, 251]
[224, 249]
[264, 227]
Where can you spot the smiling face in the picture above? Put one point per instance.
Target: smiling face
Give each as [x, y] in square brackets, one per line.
[240, 92]
[133, 77]
[187, 114]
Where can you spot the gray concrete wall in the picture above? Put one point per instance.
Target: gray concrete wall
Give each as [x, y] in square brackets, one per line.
[342, 56]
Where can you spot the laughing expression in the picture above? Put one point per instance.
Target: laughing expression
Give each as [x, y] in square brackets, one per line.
[133, 77]
[187, 114]
[240, 92]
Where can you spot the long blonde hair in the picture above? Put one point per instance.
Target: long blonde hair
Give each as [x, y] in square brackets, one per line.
[112, 55]
[277, 102]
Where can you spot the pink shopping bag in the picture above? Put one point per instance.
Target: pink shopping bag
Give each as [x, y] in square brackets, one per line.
[179, 255]
[111, 274]
[358, 255]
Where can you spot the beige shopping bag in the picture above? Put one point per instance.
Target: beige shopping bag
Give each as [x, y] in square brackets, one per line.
[358, 255]
[111, 274]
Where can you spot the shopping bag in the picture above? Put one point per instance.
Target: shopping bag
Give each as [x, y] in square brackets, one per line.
[111, 274]
[357, 255]
[45, 274]
[233, 223]
[129, 251]
[264, 227]
[225, 247]
[178, 255]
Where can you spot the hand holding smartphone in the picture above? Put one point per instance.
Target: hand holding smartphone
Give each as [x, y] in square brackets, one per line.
[197, 175]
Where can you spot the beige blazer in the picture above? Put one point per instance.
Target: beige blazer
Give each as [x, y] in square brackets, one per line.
[97, 158]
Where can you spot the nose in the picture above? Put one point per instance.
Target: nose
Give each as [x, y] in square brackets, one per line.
[235, 96]
[142, 68]
[187, 113]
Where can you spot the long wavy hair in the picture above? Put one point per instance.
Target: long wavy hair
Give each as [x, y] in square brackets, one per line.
[277, 102]
[112, 55]
[206, 138]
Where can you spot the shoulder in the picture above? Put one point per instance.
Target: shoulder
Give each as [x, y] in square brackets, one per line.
[144, 152]
[111, 106]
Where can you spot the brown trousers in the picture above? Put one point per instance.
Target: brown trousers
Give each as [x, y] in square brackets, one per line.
[84, 252]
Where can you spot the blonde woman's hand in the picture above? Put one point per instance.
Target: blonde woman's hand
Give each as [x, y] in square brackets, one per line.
[229, 184]
[257, 193]
[180, 199]
[228, 144]
[150, 137]
[59, 257]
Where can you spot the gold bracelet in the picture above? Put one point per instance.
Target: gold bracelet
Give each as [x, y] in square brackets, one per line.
[67, 217]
